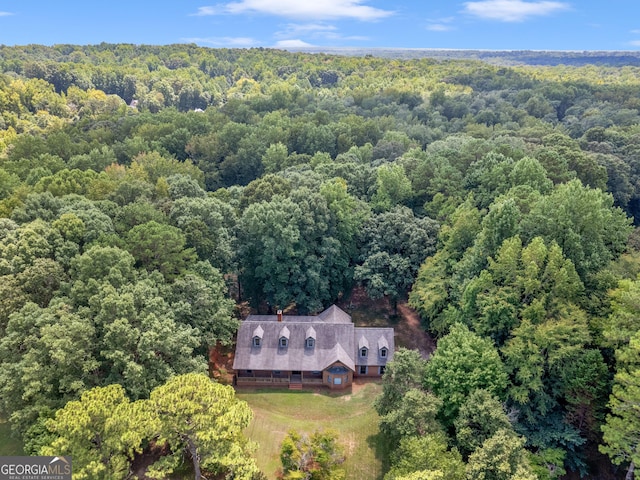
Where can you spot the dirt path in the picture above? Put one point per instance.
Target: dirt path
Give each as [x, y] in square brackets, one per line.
[410, 332]
[379, 313]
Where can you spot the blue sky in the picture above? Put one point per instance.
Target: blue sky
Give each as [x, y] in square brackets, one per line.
[466, 24]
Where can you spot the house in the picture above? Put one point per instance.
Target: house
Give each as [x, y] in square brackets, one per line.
[324, 349]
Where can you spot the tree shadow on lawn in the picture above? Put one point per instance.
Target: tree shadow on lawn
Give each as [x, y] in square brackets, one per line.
[381, 447]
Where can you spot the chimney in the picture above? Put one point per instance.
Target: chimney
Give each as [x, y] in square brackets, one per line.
[279, 315]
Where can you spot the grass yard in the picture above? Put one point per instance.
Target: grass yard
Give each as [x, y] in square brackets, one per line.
[351, 414]
[9, 445]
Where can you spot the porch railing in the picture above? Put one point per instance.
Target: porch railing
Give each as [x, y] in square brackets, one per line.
[262, 380]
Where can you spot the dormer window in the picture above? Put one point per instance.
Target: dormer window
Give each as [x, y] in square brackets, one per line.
[310, 338]
[257, 336]
[283, 338]
[383, 347]
[363, 346]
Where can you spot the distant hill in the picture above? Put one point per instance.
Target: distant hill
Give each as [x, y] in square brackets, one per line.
[496, 57]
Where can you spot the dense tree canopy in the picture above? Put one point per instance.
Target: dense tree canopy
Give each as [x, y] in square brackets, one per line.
[145, 191]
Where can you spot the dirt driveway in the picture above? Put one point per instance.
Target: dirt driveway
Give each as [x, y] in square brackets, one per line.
[378, 313]
[410, 334]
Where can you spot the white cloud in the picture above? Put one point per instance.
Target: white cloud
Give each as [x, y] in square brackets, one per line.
[5, 14]
[315, 31]
[636, 31]
[359, 38]
[318, 9]
[440, 24]
[635, 43]
[224, 41]
[205, 11]
[293, 43]
[439, 27]
[512, 10]
[294, 29]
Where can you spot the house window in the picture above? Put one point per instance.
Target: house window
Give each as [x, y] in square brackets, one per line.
[383, 352]
[310, 342]
[256, 341]
[382, 367]
[249, 372]
[363, 352]
[363, 369]
[283, 342]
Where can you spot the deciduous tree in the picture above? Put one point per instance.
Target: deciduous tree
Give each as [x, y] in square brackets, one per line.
[395, 244]
[480, 417]
[404, 373]
[159, 247]
[315, 457]
[501, 457]
[463, 363]
[428, 453]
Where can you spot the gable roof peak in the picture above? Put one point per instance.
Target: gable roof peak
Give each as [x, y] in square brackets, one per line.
[284, 333]
[310, 333]
[339, 354]
[334, 314]
[258, 332]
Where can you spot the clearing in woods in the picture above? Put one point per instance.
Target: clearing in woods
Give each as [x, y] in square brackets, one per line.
[409, 332]
[350, 413]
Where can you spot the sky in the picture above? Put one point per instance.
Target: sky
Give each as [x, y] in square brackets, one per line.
[443, 24]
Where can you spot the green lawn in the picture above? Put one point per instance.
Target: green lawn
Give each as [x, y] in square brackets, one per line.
[9, 445]
[351, 414]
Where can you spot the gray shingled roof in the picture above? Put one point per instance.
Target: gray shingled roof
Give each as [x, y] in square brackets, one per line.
[335, 341]
[335, 314]
[377, 337]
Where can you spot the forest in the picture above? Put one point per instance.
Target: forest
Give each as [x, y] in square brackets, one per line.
[148, 194]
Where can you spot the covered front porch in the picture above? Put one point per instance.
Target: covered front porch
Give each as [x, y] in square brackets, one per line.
[277, 378]
[334, 377]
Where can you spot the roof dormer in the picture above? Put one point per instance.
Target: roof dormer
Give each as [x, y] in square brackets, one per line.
[363, 346]
[310, 338]
[258, 333]
[283, 337]
[383, 347]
